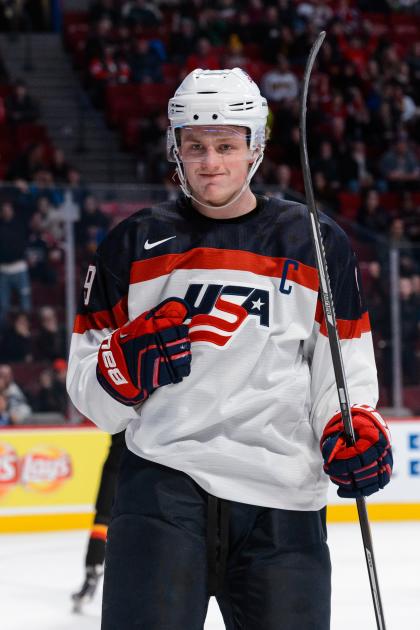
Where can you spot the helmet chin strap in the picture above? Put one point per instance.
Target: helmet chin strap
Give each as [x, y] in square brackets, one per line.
[187, 192]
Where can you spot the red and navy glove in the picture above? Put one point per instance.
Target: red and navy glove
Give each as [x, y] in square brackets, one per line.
[365, 467]
[152, 350]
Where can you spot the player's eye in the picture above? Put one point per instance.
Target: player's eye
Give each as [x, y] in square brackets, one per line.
[225, 148]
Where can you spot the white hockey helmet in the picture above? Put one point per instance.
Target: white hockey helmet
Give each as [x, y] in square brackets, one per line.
[217, 97]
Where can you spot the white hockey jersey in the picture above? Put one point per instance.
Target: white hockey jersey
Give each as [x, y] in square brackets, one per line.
[246, 423]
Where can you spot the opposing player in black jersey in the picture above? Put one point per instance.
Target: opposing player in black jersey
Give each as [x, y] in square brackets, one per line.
[201, 333]
[95, 552]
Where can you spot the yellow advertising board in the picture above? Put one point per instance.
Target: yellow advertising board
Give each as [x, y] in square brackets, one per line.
[49, 477]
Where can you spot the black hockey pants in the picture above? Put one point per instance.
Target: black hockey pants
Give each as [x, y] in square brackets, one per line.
[171, 545]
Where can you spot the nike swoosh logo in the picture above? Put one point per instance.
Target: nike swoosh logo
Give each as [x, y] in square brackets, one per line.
[148, 245]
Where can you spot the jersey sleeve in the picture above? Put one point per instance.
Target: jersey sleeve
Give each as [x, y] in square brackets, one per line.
[102, 309]
[354, 332]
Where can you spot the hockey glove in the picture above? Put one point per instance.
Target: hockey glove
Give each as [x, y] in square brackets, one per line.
[152, 350]
[365, 467]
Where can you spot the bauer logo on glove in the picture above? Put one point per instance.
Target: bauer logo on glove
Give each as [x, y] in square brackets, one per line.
[151, 351]
[364, 467]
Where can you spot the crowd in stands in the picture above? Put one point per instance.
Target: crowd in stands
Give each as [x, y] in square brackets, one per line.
[363, 113]
[363, 134]
[32, 335]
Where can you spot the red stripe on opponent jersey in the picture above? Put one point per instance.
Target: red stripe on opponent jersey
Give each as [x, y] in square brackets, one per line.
[347, 328]
[114, 318]
[213, 258]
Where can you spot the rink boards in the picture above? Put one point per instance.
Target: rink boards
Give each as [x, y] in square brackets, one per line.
[49, 478]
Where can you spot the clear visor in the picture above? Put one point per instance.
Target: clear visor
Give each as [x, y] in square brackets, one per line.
[200, 144]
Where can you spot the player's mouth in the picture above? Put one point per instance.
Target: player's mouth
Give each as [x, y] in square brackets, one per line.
[210, 175]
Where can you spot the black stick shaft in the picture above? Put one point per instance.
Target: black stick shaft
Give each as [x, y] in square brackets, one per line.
[329, 314]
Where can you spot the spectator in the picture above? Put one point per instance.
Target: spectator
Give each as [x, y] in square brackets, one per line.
[59, 166]
[152, 165]
[17, 405]
[43, 186]
[282, 182]
[292, 148]
[403, 107]
[50, 218]
[323, 191]
[413, 61]
[16, 342]
[398, 238]
[358, 116]
[182, 41]
[21, 107]
[400, 166]
[20, 195]
[98, 38]
[41, 254]
[243, 28]
[51, 337]
[357, 52]
[104, 9]
[377, 300]
[204, 57]
[356, 168]
[78, 189]
[234, 56]
[28, 163]
[145, 63]
[93, 224]
[372, 216]
[4, 414]
[59, 384]
[410, 323]
[14, 274]
[141, 13]
[107, 68]
[49, 397]
[327, 164]
[410, 213]
[280, 84]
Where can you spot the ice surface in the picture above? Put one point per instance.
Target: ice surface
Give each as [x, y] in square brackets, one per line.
[40, 571]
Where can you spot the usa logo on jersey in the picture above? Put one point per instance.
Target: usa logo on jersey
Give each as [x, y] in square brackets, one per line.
[224, 309]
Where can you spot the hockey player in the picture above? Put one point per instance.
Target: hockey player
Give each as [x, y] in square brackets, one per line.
[95, 553]
[201, 333]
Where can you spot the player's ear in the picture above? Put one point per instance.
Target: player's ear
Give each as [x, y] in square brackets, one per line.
[254, 155]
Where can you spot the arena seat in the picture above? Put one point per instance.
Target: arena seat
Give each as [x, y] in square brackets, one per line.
[349, 204]
[30, 133]
[5, 90]
[26, 375]
[121, 102]
[130, 133]
[390, 201]
[153, 97]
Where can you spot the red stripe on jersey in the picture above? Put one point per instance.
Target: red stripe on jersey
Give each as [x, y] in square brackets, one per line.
[113, 319]
[213, 258]
[347, 328]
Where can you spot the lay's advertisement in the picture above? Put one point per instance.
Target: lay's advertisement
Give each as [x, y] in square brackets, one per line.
[49, 477]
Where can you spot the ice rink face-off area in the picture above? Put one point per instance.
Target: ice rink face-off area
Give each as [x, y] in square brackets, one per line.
[40, 571]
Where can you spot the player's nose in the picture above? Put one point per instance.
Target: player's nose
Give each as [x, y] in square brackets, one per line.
[211, 159]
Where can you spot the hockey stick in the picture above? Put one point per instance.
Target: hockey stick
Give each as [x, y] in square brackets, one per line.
[329, 314]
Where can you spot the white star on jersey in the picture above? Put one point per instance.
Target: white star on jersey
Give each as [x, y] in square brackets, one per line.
[257, 304]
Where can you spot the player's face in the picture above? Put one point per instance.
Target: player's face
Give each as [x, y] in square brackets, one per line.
[216, 161]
